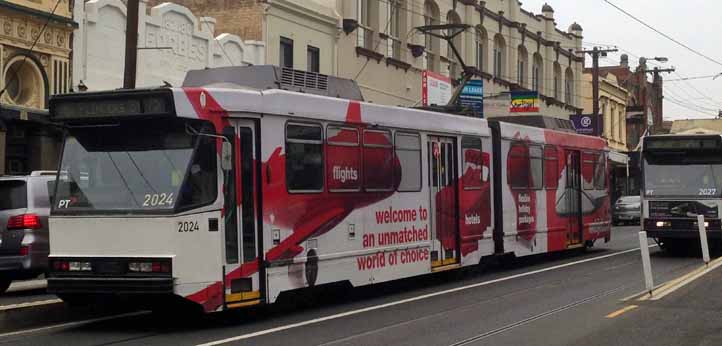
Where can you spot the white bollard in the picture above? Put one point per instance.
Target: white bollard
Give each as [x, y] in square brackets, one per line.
[703, 238]
[646, 262]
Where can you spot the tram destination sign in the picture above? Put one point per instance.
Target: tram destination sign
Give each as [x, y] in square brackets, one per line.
[98, 107]
[677, 143]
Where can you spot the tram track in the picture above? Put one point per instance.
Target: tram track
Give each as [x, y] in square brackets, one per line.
[274, 325]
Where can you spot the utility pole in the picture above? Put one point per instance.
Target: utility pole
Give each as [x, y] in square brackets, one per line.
[596, 53]
[657, 86]
[131, 44]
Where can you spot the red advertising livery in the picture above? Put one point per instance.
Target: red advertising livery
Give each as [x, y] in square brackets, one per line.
[241, 194]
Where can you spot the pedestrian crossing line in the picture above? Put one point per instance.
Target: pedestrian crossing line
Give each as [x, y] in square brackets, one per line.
[622, 311]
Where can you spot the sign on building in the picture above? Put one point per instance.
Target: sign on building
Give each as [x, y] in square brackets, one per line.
[435, 89]
[472, 96]
[524, 102]
[585, 124]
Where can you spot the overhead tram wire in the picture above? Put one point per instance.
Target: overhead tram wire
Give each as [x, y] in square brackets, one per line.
[663, 34]
[14, 72]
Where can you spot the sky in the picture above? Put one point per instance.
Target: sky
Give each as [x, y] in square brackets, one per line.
[695, 23]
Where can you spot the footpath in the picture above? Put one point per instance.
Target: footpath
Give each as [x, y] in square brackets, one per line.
[690, 315]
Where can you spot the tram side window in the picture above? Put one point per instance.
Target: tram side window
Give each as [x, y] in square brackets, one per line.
[518, 167]
[600, 172]
[537, 167]
[551, 167]
[304, 158]
[588, 170]
[473, 170]
[408, 150]
[343, 159]
[378, 160]
[201, 183]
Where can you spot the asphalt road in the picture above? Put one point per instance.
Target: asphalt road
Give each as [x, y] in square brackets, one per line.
[550, 300]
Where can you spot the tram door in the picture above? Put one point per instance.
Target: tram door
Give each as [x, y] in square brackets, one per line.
[240, 231]
[443, 213]
[574, 198]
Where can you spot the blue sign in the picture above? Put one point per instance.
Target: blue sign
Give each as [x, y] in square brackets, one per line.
[585, 124]
[472, 96]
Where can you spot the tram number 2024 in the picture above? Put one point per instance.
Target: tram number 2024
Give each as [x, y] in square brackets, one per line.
[188, 226]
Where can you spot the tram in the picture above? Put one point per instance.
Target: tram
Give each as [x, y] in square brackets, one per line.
[226, 195]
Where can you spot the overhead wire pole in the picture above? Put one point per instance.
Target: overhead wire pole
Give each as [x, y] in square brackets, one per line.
[596, 53]
[131, 45]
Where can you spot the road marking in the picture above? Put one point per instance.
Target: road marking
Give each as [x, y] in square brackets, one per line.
[4, 308]
[622, 310]
[684, 280]
[409, 300]
[72, 324]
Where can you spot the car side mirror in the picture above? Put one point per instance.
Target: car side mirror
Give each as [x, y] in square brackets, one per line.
[226, 156]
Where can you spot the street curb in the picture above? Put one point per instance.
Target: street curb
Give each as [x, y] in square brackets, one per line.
[671, 286]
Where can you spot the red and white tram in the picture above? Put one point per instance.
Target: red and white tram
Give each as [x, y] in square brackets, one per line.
[229, 196]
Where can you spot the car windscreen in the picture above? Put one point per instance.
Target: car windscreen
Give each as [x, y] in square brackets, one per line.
[13, 194]
[144, 167]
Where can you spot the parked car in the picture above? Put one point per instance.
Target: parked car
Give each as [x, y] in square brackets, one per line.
[628, 209]
[24, 209]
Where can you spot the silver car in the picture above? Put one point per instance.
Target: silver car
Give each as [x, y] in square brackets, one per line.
[627, 209]
[24, 209]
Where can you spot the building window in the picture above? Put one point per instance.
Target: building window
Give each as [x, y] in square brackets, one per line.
[285, 58]
[396, 28]
[557, 81]
[366, 20]
[537, 73]
[313, 57]
[569, 87]
[61, 77]
[481, 49]
[521, 68]
[499, 56]
[453, 18]
[431, 17]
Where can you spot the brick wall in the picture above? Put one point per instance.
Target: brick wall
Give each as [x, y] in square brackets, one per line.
[240, 17]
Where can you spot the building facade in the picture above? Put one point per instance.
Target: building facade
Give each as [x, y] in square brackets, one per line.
[35, 54]
[300, 34]
[510, 47]
[172, 41]
[612, 108]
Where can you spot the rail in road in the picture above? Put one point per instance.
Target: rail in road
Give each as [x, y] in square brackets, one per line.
[494, 307]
